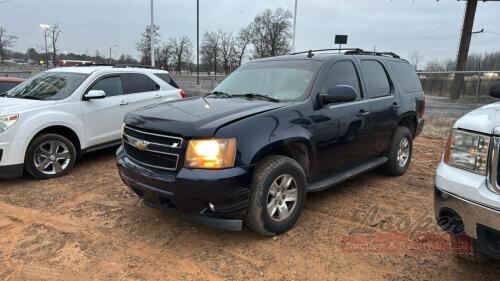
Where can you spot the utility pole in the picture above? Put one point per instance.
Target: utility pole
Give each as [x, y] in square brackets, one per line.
[198, 42]
[463, 49]
[110, 54]
[151, 36]
[294, 26]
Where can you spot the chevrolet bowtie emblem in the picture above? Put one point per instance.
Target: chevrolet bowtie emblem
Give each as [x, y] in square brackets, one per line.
[141, 145]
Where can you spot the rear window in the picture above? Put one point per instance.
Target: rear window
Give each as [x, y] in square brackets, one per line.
[406, 76]
[139, 83]
[165, 77]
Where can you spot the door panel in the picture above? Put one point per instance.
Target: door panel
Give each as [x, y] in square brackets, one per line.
[379, 89]
[141, 89]
[340, 129]
[341, 136]
[104, 117]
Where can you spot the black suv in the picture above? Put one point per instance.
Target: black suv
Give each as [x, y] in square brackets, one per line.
[272, 131]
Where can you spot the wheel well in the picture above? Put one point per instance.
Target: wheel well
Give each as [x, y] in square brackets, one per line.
[410, 122]
[299, 151]
[65, 132]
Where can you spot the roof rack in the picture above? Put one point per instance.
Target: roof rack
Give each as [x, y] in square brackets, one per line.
[361, 52]
[350, 51]
[94, 64]
[310, 52]
[134, 66]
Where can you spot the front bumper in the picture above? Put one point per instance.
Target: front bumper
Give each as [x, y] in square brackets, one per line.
[11, 158]
[188, 192]
[464, 197]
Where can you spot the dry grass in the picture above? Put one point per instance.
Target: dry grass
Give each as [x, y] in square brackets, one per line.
[438, 127]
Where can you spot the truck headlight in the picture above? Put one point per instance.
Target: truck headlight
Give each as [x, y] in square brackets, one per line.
[468, 151]
[211, 153]
[6, 121]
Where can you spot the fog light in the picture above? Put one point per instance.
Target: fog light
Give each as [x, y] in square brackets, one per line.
[211, 207]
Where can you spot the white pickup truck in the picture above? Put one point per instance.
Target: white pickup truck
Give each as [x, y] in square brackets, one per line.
[467, 187]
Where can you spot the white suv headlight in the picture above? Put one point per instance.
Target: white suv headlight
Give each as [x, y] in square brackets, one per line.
[468, 151]
[6, 121]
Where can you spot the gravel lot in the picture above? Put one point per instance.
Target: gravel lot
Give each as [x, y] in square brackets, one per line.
[87, 225]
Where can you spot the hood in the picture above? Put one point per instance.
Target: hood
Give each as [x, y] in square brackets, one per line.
[12, 105]
[484, 119]
[196, 117]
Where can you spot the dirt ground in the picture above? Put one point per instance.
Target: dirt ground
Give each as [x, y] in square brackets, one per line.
[88, 225]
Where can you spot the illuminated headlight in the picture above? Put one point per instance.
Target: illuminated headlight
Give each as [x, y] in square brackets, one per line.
[211, 153]
[6, 121]
[468, 151]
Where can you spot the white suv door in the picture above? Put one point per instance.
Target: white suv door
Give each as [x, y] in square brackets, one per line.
[142, 90]
[104, 117]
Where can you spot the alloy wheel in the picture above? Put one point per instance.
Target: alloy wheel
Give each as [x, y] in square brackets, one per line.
[282, 198]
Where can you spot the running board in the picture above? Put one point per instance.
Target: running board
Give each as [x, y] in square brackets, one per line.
[341, 177]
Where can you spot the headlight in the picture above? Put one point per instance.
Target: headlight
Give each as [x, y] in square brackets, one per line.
[468, 151]
[211, 153]
[6, 121]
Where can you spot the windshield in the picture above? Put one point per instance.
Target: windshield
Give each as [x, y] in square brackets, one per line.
[48, 86]
[283, 80]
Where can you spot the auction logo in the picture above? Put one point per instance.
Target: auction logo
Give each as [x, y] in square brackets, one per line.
[379, 232]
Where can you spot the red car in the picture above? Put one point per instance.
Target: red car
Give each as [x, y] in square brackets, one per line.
[7, 83]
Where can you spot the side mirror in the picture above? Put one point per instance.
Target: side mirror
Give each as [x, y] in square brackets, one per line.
[340, 93]
[495, 90]
[94, 95]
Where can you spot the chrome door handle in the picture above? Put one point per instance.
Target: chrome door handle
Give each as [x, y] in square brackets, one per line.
[362, 113]
[395, 106]
[157, 96]
[123, 103]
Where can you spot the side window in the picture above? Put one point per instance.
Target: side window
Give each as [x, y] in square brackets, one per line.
[406, 76]
[166, 77]
[138, 83]
[342, 73]
[112, 86]
[377, 83]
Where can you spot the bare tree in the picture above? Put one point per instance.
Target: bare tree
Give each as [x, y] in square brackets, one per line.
[165, 55]
[182, 49]
[272, 33]
[53, 32]
[227, 50]
[210, 47]
[6, 41]
[144, 44]
[416, 58]
[243, 40]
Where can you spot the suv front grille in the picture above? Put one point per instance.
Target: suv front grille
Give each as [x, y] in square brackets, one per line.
[152, 149]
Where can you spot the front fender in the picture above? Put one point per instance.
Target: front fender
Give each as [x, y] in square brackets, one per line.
[259, 135]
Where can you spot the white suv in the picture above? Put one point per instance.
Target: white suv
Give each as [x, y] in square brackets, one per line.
[467, 191]
[48, 121]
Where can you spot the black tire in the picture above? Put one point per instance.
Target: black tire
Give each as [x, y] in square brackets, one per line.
[29, 160]
[475, 256]
[393, 167]
[269, 170]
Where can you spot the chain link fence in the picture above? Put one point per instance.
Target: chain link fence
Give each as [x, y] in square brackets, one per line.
[455, 93]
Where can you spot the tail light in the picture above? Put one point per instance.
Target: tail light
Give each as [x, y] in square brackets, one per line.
[183, 93]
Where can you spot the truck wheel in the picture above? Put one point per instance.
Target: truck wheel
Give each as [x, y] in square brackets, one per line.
[277, 195]
[49, 156]
[399, 152]
[475, 256]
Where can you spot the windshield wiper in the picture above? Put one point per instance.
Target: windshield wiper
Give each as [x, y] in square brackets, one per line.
[30, 98]
[218, 94]
[258, 96]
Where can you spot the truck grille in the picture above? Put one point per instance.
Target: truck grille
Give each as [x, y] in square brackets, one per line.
[493, 174]
[152, 149]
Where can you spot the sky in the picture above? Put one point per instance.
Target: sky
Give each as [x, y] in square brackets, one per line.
[401, 26]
